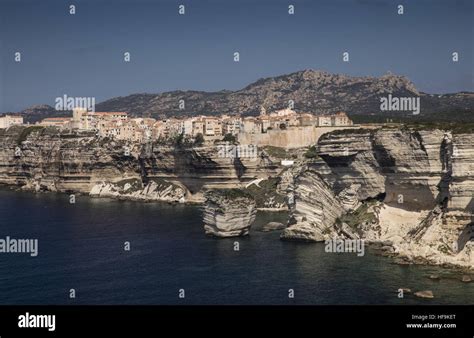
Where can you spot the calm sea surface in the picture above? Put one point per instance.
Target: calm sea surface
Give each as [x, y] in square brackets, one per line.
[81, 247]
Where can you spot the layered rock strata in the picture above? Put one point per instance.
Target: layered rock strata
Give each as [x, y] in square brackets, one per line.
[134, 189]
[228, 213]
[411, 188]
[45, 159]
[313, 208]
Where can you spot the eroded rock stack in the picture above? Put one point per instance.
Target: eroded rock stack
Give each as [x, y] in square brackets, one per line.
[228, 213]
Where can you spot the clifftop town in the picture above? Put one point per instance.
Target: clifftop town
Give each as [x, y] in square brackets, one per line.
[194, 129]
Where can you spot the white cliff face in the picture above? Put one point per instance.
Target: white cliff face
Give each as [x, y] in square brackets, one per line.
[412, 165]
[46, 159]
[228, 213]
[462, 184]
[424, 181]
[134, 190]
[421, 236]
[350, 159]
[313, 208]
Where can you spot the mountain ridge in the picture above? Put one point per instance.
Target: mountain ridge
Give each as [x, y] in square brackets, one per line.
[313, 91]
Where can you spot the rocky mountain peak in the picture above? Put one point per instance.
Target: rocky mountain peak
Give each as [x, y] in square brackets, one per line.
[398, 81]
[313, 91]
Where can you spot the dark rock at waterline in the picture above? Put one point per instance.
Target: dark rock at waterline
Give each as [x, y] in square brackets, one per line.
[401, 261]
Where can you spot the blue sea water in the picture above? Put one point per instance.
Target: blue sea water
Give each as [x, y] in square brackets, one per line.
[81, 247]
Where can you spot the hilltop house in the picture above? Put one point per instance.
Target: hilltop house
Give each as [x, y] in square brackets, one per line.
[9, 120]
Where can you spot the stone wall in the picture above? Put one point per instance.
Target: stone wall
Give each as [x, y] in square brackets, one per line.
[293, 137]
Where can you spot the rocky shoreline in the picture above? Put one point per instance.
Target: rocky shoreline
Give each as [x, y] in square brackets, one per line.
[379, 247]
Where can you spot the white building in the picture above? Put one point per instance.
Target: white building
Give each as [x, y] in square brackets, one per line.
[212, 127]
[232, 126]
[187, 127]
[9, 120]
[61, 122]
[324, 121]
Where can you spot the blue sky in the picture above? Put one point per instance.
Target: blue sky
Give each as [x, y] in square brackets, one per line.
[82, 54]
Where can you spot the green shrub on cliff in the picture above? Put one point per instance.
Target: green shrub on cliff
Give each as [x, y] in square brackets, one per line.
[134, 184]
[162, 182]
[454, 127]
[311, 152]
[26, 132]
[230, 193]
[277, 152]
[265, 191]
[229, 138]
[357, 217]
[349, 131]
[198, 140]
[179, 140]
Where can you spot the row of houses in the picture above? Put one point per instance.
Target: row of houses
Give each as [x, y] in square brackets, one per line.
[120, 126]
[106, 124]
[215, 127]
[287, 118]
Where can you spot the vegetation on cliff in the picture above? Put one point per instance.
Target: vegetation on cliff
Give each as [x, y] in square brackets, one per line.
[277, 152]
[362, 215]
[27, 131]
[265, 193]
[453, 127]
[312, 152]
[230, 193]
[130, 185]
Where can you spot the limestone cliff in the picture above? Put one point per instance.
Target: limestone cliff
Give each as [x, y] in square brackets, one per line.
[45, 159]
[313, 207]
[411, 188]
[135, 189]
